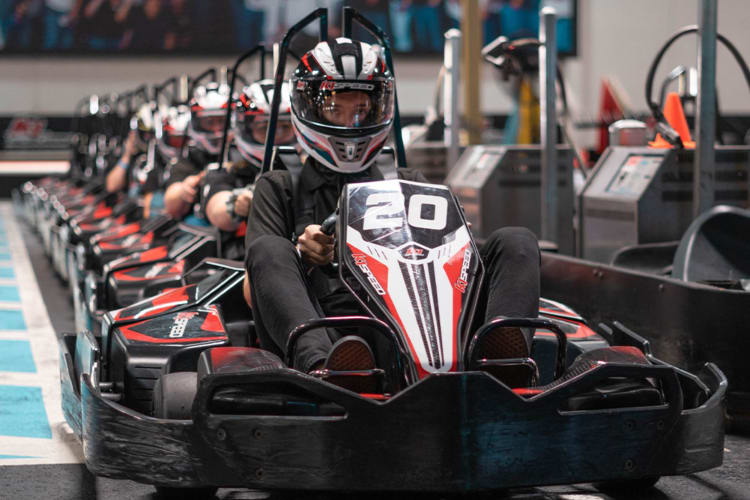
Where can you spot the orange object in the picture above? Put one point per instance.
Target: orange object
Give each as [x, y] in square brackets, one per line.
[675, 116]
[612, 107]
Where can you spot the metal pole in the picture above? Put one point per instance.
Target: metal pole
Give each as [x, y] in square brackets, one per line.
[705, 120]
[182, 90]
[471, 30]
[451, 81]
[548, 121]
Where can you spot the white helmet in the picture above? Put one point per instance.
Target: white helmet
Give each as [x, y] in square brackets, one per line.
[207, 114]
[171, 130]
[251, 115]
[342, 103]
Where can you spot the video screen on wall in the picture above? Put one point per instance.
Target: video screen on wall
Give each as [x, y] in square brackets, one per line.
[204, 27]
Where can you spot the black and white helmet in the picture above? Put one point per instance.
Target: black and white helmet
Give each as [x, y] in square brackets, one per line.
[251, 115]
[342, 103]
[171, 130]
[207, 113]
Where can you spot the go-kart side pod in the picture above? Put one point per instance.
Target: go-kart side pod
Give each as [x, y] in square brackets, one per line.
[463, 431]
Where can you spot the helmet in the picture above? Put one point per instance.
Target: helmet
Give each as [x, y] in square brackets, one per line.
[342, 103]
[171, 130]
[251, 120]
[142, 122]
[207, 111]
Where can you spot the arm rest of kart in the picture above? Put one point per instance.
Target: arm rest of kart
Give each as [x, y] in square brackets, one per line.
[538, 323]
[402, 360]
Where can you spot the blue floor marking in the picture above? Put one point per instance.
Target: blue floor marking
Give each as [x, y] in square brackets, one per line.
[22, 412]
[9, 293]
[7, 273]
[4, 256]
[12, 320]
[10, 457]
[15, 356]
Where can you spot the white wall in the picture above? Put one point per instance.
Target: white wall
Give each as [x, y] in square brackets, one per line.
[615, 37]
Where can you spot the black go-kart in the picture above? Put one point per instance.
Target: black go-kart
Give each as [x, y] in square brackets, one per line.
[121, 281]
[175, 392]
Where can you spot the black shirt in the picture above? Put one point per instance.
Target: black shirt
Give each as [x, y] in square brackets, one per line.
[193, 164]
[276, 211]
[236, 175]
[273, 208]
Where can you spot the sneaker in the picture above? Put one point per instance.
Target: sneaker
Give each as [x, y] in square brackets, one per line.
[351, 365]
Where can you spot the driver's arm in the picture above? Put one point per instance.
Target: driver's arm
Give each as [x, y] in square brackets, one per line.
[182, 188]
[218, 192]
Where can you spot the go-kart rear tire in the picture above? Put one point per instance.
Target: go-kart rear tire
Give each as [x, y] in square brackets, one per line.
[172, 493]
[630, 485]
[174, 394]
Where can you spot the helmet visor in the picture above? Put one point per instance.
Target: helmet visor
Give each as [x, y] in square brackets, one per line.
[208, 123]
[253, 130]
[344, 104]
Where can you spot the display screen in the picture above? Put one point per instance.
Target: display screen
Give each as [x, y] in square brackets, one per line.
[190, 27]
[634, 174]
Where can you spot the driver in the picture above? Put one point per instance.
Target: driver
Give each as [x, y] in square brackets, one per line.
[342, 107]
[205, 127]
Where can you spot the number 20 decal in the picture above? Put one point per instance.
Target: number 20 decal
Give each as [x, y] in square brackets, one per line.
[384, 211]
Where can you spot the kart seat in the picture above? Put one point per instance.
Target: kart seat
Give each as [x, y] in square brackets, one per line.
[611, 393]
[716, 248]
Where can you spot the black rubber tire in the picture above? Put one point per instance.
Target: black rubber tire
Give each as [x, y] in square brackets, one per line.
[173, 493]
[628, 485]
[174, 394]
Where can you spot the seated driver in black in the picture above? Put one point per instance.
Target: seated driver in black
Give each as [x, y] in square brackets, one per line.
[341, 87]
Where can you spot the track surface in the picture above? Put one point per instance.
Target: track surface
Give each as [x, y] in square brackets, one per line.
[64, 480]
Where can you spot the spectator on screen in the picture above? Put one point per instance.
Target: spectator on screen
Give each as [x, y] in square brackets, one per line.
[179, 30]
[427, 26]
[145, 25]
[374, 10]
[57, 31]
[401, 15]
[248, 22]
[24, 14]
[103, 31]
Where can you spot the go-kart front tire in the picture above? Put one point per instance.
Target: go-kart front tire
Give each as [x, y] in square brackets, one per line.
[174, 394]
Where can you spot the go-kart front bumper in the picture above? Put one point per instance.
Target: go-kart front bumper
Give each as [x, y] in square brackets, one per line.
[456, 432]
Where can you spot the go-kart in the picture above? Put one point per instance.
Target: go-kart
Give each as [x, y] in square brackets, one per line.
[140, 274]
[174, 393]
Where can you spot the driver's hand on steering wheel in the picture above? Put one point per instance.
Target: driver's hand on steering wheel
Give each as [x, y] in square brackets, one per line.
[315, 247]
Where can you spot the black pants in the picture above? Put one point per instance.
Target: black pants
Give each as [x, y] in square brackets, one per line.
[282, 298]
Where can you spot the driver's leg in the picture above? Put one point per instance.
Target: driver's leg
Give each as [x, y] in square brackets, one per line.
[282, 300]
[511, 289]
